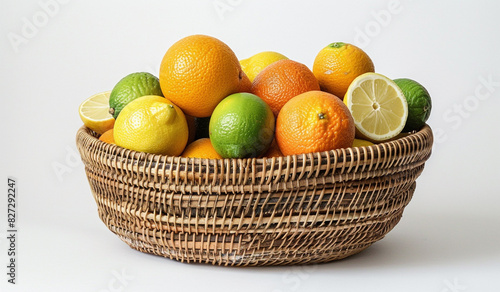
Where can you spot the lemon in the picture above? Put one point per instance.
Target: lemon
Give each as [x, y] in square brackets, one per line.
[152, 124]
[131, 87]
[256, 63]
[378, 107]
[94, 112]
[361, 143]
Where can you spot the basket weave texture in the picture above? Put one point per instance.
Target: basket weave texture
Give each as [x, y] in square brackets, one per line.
[299, 209]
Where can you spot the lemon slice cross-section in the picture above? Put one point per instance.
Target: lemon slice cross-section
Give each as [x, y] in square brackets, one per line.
[378, 107]
[94, 112]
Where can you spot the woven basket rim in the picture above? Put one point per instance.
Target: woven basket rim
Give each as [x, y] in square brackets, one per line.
[425, 133]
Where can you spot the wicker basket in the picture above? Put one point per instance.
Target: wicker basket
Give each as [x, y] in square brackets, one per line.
[299, 209]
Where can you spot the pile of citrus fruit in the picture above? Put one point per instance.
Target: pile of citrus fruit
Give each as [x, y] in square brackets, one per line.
[205, 103]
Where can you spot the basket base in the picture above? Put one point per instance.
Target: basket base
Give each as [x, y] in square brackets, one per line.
[312, 245]
[261, 250]
[256, 259]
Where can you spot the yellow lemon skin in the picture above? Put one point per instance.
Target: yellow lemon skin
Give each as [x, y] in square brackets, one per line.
[256, 63]
[361, 143]
[152, 124]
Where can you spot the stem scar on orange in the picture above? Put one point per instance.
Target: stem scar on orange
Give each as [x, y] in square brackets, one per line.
[312, 122]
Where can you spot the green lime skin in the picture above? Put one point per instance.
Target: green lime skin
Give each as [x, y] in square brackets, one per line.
[419, 103]
[130, 88]
[241, 126]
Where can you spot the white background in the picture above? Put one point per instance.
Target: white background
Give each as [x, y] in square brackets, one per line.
[54, 55]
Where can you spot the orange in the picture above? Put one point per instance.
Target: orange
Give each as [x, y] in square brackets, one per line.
[314, 121]
[338, 64]
[201, 148]
[108, 137]
[282, 80]
[197, 72]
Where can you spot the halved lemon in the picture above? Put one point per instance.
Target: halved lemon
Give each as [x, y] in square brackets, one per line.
[378, 107]
[94, 112]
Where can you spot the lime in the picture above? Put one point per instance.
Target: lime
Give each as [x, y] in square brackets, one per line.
[378, 107]
[241, 126]
[131, 87]
[256, 63]
[419, 103]
[152, 124]
[94, 112]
